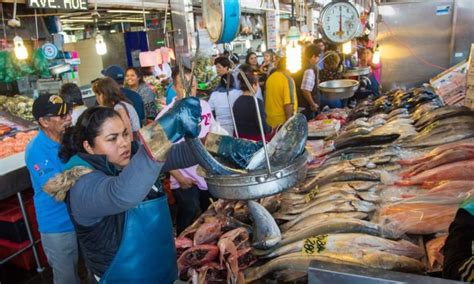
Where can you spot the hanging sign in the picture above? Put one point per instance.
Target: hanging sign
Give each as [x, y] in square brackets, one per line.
[58, 4]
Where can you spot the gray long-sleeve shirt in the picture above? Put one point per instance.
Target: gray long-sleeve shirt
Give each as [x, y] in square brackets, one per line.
[96, 195]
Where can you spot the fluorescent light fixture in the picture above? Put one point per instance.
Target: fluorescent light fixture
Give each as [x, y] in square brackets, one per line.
[127, 21]
[128, 11]
[77, 21]
[79, 18]
[73, 28]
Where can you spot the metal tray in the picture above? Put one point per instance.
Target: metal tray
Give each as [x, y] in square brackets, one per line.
[338, 89]
[258, 184]
[356, 71]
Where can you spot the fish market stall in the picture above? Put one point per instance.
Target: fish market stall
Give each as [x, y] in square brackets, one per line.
[380, 193]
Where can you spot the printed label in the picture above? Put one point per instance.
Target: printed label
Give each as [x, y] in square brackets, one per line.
[312, 194]
[314, 245]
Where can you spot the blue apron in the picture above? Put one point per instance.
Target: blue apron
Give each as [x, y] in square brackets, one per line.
[147, 252]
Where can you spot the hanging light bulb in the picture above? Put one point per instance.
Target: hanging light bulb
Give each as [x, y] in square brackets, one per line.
[247, 43]
[19, 48]
[283, 41]
[376, 56]
[293, 50]
[263, 47]
[347, 48]
[100, 45]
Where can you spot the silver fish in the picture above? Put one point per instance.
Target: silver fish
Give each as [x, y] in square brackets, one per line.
[319, 217]
[300, 262]
[319, 200]
[266, 232]
[285, 146]
[353, 243]
[337, 225]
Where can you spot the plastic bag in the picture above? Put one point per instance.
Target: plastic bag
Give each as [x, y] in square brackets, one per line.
[40, 64]
[418, 218]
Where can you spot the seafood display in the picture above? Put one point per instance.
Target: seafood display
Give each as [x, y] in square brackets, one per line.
[396, 170]
[15, 144]
[17, 105]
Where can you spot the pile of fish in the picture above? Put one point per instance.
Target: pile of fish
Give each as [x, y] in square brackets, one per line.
[398, 169]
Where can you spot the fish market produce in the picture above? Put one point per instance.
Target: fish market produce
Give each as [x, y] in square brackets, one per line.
[418, 218]
[17, 105]
[463, 170]
[308, 221]
[300, 262]
[15, 144]
[434, 250]
[266, 232]
[342, 225]
[342, 243]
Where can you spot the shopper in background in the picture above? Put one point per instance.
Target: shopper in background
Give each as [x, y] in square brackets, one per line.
[245, 112]
[251, 59]
[176, 88]
[247, 69]
[330, 72]
[366, 55]
[221, 102]
[189, 188]
[322, 47]
[120, 214]
[223, 67]
[267, 64]
[458, 250]
[116, 73]
[308, 94]
[134, 81]
[71, 93]
[41, 157]
[108, 93]
[280, 100]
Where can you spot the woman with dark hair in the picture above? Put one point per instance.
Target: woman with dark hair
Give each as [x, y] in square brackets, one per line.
[222, 101]
[108, 93]
[73, 96]
[245, 111]
[120, 215]
[251, 59]
[134, 81]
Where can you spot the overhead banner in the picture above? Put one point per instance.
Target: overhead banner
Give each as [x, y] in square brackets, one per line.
[58, 4]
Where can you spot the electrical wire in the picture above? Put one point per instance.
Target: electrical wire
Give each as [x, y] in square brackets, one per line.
[422, 60]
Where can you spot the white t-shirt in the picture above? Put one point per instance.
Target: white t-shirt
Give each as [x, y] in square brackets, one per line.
[207, 119]
[220, 105]
[76, 112]
[132, 114]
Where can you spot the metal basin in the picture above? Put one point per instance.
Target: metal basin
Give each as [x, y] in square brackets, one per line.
[338, 89]
[356, 71]
[258, 184]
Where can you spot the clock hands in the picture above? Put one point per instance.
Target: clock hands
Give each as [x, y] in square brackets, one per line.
[340, 33]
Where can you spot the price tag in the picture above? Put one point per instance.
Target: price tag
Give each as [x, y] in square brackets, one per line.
[312, 194]
[327, 121]
[314, 245]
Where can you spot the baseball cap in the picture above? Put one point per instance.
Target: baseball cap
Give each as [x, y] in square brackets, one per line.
[115, 72]
[50, 104]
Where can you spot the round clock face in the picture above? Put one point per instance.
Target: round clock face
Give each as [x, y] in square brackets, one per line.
[212, 11]
[339, 22]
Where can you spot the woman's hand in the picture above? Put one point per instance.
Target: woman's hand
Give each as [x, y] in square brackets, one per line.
[186, 183]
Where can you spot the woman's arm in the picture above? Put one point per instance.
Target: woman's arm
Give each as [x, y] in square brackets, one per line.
[97, 195]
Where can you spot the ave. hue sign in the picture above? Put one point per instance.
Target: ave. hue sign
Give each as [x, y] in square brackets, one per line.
[58, 4]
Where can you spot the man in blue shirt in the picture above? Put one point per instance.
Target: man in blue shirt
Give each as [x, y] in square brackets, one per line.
[57, 232]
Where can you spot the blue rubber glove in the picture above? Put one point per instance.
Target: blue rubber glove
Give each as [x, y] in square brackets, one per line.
[182, 120]
[235, 151]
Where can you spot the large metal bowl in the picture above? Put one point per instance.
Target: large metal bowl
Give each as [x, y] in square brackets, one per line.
[338, 89]
[356, 71]
[258, 184]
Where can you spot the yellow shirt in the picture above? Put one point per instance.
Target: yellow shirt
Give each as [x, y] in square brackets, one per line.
[277, 95]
